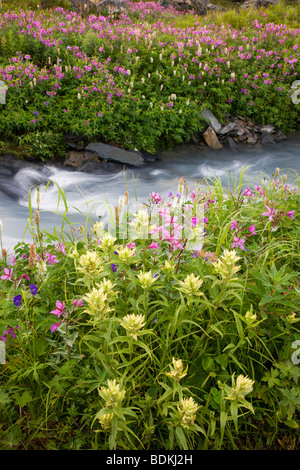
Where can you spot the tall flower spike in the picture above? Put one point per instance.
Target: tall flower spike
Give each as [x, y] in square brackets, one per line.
[146, 279]
[177, 372]
[133, 324]
[191, 285]
[187, 409]
[112, 394]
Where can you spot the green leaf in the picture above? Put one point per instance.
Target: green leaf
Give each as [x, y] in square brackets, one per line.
[181, 439]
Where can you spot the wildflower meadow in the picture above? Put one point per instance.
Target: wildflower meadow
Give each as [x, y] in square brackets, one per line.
[141, 80]
[152, 342]
[175, 327]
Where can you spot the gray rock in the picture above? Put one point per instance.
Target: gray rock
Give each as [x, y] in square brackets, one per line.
[268, 128]
[252, 140]
[212, 6]
[111, 6]
[232, 126]
[232, 144]
[109, 152]
[211, 119]
[77, 159]
[199, 6]
[267, 139]
[211, 139]
[279, 136]
[259, 3]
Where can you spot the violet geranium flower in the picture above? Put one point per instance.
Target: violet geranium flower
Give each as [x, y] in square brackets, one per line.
[33, 289]
[17, 300]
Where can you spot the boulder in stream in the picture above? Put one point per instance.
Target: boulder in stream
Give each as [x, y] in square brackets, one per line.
[209, 117]
[211, 139]
[109, 152]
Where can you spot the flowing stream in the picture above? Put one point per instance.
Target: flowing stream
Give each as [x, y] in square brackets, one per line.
[93, 194]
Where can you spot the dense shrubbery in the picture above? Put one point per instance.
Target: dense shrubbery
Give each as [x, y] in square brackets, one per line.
[152, 342]
[141, 80]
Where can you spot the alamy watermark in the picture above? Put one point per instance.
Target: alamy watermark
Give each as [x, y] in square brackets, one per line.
[296, 354]
[294, 96]
[183, 222]
[3, 89]
[2, 352]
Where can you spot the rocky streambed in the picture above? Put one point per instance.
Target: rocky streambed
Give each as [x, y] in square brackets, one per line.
[235, 134]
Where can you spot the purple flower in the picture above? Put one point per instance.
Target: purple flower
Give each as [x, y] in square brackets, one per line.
[33, 289]
[113, 268]
[78, 303]
[170, 194]
[17, 300]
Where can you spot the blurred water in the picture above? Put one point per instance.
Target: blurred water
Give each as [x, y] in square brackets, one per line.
[94, 193]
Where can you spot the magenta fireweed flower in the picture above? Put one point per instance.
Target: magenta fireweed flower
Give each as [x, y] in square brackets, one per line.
[194, 221]
[11, 331]
[291, 214]
[78, 303]
[7, 274]
[270, 213]
[51, 259]
[156, 197]
[59, 308]
[130, 245]
[233, 225]
[239, 242]
[252, 229]
[153, 246]
[55, 326]
[248, 192]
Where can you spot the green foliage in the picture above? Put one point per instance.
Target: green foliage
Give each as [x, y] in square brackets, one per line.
[142, 82]
[43, 145]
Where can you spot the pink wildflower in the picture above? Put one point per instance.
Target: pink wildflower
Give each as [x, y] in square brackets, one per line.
[291, 214]
[7, 274]
[131, 245]
[153, 245]
[252, 229]
[156, 197]
[270, 213]
[239, 242]
[54, 327]
[51, 259]
[194, 221]
[233, 225]
[248, 192]
[59, 308]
